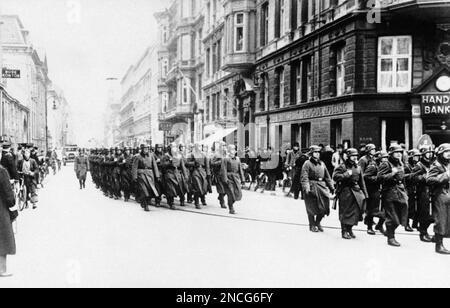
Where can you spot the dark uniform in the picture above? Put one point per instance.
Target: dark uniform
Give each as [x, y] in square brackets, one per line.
[126, 178]
[199, 165]
[216, 169]
[293, 170]
[145, 174]
[439, 180]
[411, 186]
[8, 162]
[352, 194]
[395, 198]
[160, 185]
[175, 175]
[233, 175]
[81, 166]
[422, 210]
[317, 185]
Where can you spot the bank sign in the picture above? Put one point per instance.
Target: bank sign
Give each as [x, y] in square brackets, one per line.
[436, 105]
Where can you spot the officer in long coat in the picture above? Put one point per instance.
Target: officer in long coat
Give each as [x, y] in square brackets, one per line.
[159, 154]
[439, 180]
[7, 215]
[352, 193]
[145, 174]
[422, 211]
[317, 187]
[175, 175]
[233, 175]
[395, 198]
[81, 166]
[199, 165]
[220, 153]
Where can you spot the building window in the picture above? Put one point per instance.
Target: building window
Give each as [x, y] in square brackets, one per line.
[394, 64]
[185, 92]
[219, 54]
[225, 103]
[265, 24]
[239, 32]
[208, 62]
[185, 47]
[296, 82]
[340, 70]
[208, 101]
[214, 59]
[281, 87]
[307, 79]
[283, 17]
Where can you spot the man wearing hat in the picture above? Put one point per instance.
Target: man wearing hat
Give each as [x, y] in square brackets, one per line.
[352, 193]
[395, 198]
[81, 168]
[9, 162]
[439, 180]
[422, 211]
[317, 185]
[293, 170]
[411, 185]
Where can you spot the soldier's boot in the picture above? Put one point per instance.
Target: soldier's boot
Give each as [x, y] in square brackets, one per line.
[203, 199]
[318, 223]
[370, 230]
[391, 237]
[81, 184]
[426, 238]
[197, 203]
[380, 227]
[158, 202]
[231, 206]
[222, 201]
[440, 249]
[415, 224]
[408, 227]
[345, 234]
[350, 231]
[312, 224]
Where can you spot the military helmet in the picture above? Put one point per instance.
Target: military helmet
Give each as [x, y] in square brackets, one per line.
[352, 152]
[395, 149]
[443, 148]
[145, 146]
[426, 149]
[370, 147]
[414, 153]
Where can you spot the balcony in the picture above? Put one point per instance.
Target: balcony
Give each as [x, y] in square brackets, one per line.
[239, 62]
[179, 112]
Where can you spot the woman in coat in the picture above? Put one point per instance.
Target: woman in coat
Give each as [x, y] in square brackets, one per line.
[82, 168]
[145, 174]
[351, 192]
[175, 175]
[316, 185]
[7, 202]
[199, 165]
[439, 180]
[233, 176]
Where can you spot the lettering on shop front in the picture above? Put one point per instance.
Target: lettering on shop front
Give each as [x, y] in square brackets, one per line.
[310, 113]
[436, 105]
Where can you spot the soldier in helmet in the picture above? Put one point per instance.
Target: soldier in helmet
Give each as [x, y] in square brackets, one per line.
[175, 175]
[199, 165]
[126, 177]
[411, 185]
[352, 193]
[145, 175]
[159, 154]
[317, 185]
[422, 211]
[81, 168]
[368, 158]
[233, 176]
[219, 155]
[439, 180]
[395, 198]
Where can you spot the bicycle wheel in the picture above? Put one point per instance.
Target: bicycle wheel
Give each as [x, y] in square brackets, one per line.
[23, 198]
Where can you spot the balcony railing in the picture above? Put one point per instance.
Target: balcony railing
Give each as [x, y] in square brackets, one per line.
[178, 111]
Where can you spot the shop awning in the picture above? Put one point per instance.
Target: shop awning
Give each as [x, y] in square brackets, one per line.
[218, 136]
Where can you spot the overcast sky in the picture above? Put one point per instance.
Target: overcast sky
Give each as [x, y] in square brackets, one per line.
[87, 41]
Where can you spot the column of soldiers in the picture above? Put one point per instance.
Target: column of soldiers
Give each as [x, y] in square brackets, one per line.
[175, 172]
[396, 188]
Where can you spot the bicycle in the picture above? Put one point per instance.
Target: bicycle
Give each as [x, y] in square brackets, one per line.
[247, 176]
[20, 193]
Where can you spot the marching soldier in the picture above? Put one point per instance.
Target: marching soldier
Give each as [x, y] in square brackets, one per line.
[159, 154]
[422, 210]
[291, 168]
[395, 198]
[216, 168]
[352, 193]
[439, 180]
[145, 174]
[81, 168]
[317, 185]
[411, 187]
[198, 163]
[126, 177]
[175, 175]
[233, 176]
[183, 151]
